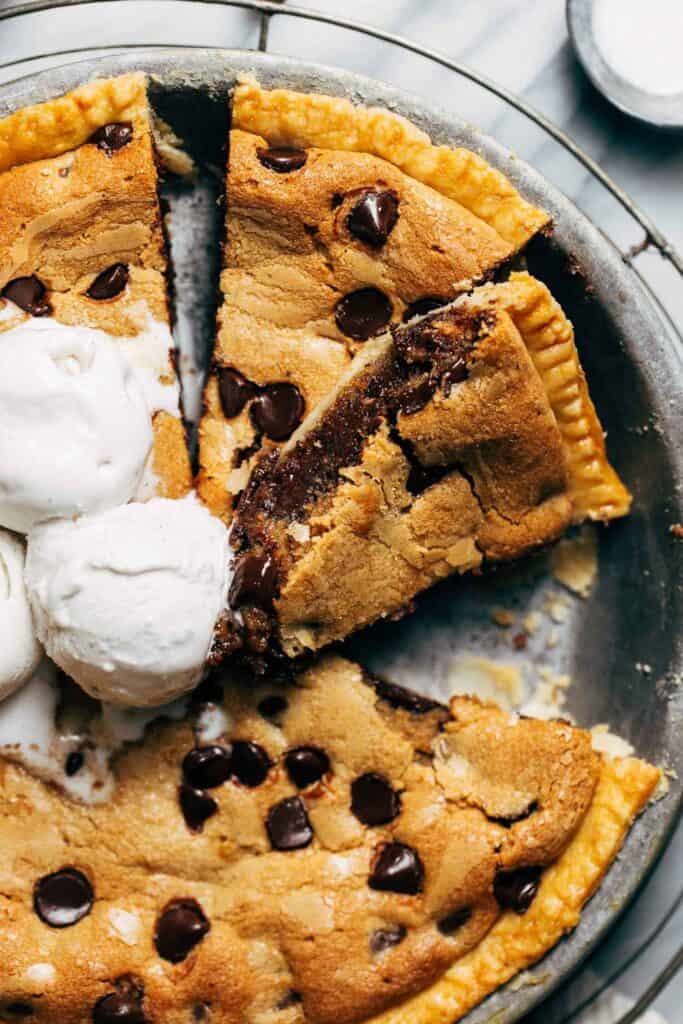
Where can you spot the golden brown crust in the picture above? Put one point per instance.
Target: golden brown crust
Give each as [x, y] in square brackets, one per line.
[48, 129]
[303, 920]
[328, 122]
[70, 211]
[595, 489]
[515, 943]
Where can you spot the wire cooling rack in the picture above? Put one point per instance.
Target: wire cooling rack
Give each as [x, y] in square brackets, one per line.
[652, 238]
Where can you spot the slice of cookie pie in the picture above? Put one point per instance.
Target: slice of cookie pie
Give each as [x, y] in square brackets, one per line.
[461, 439]
[340, 221]
[82, 263]
[339, 848]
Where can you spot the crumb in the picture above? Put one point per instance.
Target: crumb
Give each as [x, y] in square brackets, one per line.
[526, 978]
[489, 680]
[520, 640]
[644, 668]
[677, 530]
[606, 742]
[300, 532]
[532, 622]
[574, 561]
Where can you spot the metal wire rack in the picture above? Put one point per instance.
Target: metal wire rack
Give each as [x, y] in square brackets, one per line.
[653, 238]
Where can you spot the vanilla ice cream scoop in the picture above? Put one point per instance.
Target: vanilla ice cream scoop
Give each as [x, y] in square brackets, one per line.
[126, 601]
[76, 426]
[20, 651]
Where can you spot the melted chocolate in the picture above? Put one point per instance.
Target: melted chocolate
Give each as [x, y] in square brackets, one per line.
[273, 706]
[63, 898]
[121, 1007]
[29, 293]
[255, 581]
[374, 801]
[398, 869]
[421, 361]
[234, 390]
[112, 137]
[179, 928]
[515, 890]
[74, 762]
[423, 306]
[207, 767]
[288, 825]
[197, 806]
[405, 700]
[452, 922]
[278, 410]
[110, 283]
[386, 938]
[306, 765]
[282, 159]
[374, 217]
[249, 764]
[363, 313]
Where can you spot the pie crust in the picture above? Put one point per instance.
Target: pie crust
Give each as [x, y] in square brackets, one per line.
[305, 934]
[70, 210]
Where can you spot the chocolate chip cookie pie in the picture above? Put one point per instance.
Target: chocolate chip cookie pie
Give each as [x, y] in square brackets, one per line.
[82, 243]
[341, 851]
[464, 438]
[340, 221]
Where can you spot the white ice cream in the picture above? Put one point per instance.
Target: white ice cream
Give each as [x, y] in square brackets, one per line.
[20, 651]
[126, 601]
[76, 424]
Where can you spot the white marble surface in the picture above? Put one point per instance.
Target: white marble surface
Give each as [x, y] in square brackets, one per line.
[522, 44]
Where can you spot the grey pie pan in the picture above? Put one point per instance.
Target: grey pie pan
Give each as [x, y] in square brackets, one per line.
[622, 646]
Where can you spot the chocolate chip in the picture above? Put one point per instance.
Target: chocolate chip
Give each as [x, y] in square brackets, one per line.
[510, 819]
[179, 928]
[209, 691]
[406, 700]
[374, 217]
[111, 137]
[282, 159]
[18, 1009]
[362, 313]
[255, 580]
[63, 898]
[288, 825]
[121, 1007]
[385, 938]
[273, 706]
[306, 765]
[450, 924]
[423, 306]
[109, 283]
[277, 410]
[197, 806]
[206, 767]
[374, 801]
[200, 1012]
[74, 762]
[515, 890]
[234, 390]
[29, 293]
[398, 869]
[290, 998]
[249, 763]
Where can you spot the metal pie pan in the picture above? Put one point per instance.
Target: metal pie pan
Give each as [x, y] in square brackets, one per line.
[621, 646]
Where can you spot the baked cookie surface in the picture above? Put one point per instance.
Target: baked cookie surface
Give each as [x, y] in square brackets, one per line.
[82, 242]
[340, 220]
[339, 847]
[464, 438]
